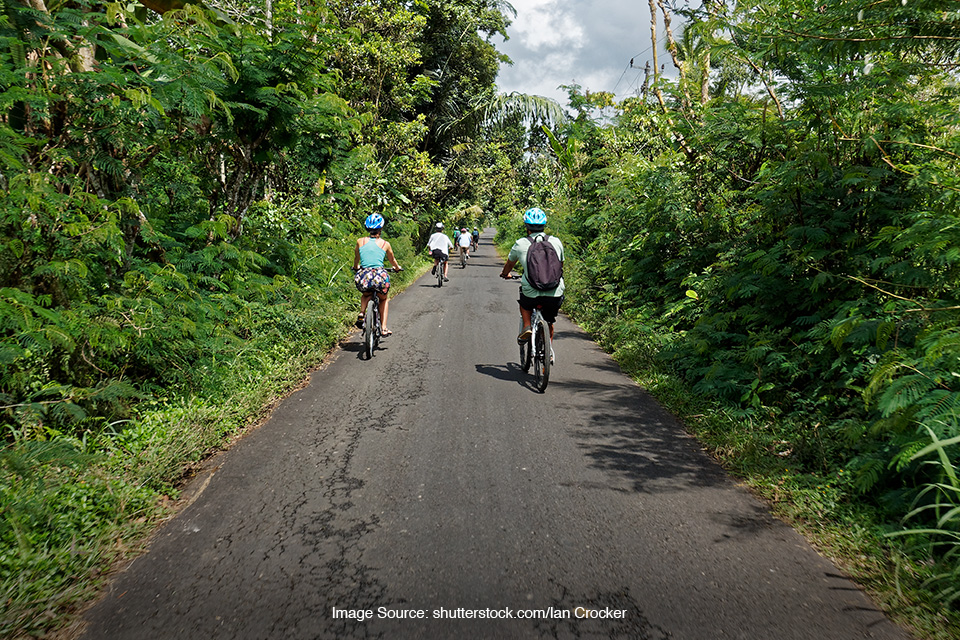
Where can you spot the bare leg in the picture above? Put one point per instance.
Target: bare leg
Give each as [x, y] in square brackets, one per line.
[364, 301]
[526, 315]
[383, 313]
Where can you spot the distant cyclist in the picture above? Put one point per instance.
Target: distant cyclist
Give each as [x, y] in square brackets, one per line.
[371, 274]
[476, 238]
[535, 221]
[463, 240]
[439, 246]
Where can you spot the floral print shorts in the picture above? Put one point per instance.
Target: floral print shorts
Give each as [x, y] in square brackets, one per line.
[372, 278]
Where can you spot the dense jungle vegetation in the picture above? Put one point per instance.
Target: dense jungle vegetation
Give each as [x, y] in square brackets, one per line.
[773, 226]
[775, 229]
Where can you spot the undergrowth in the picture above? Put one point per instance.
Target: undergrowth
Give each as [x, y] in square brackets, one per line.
[75, 505]
[782, 461]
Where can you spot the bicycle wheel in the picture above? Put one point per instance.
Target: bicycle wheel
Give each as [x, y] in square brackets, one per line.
[463, 259]
[541, 356]
[368, 323]
[440, 273]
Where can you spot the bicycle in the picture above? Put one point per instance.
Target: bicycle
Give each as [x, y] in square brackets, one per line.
[538, 349]
[372, 331]
[463, 257]
[439, 269]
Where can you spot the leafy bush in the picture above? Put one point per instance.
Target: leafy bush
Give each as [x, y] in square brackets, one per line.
[937, 510]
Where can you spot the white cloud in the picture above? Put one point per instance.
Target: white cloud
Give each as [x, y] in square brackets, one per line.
[544, 24]
[584, 42]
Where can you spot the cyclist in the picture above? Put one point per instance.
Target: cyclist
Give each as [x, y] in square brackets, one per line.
[456, 235]
[535, 220]
[463, 240]
[368, 263]
[439, 246]
[476, 238]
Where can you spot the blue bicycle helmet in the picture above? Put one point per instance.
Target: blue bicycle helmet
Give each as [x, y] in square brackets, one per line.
[374, 221]
[535, 217]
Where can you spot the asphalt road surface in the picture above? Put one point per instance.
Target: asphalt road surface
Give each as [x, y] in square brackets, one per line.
[434, 481]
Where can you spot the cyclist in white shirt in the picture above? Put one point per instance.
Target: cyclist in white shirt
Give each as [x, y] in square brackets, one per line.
[464, 241]
[439, 246]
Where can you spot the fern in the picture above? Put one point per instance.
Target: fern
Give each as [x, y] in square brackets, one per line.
[867, 473]
[904, 392]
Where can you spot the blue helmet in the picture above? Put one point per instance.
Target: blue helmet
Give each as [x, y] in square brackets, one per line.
[374, 221]
[535, 217]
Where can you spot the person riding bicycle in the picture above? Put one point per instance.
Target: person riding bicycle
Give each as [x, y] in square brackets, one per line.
[439, 246]
[463, 240]
[371, 274]
[476, 238]
[535, 221]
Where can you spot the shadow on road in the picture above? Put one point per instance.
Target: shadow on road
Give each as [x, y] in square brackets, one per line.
[351, 346]
[628, 435]
[634, 623]
[510, 371]
[560, 334]
[751, 522]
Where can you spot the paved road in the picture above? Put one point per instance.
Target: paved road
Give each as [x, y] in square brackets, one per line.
[433, 479]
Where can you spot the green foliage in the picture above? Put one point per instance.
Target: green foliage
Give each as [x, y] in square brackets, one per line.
[778, 228]
[47, 547]
[179, 196]
[937, 508]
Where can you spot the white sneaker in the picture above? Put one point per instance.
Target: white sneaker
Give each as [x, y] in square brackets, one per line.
[553, 356]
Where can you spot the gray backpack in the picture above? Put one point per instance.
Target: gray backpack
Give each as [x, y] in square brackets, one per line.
[544, 268]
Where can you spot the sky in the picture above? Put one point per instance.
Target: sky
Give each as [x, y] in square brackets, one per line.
[584, 42]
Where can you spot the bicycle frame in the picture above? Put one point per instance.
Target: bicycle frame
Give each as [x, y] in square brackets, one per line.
[371, 325]
[537, 349]
[372, 331]
[441, 266]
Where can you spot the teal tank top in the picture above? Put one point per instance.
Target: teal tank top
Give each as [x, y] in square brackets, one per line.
[371, 254]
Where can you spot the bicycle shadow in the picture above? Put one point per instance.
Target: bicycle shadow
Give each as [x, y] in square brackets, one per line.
[510, 372]
[357, 348]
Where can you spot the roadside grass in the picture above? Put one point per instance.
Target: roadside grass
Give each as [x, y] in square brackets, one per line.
[822, 505]
[75, 508]
[73, 521]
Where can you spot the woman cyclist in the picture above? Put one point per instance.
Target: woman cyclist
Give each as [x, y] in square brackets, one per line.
[371, 274]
